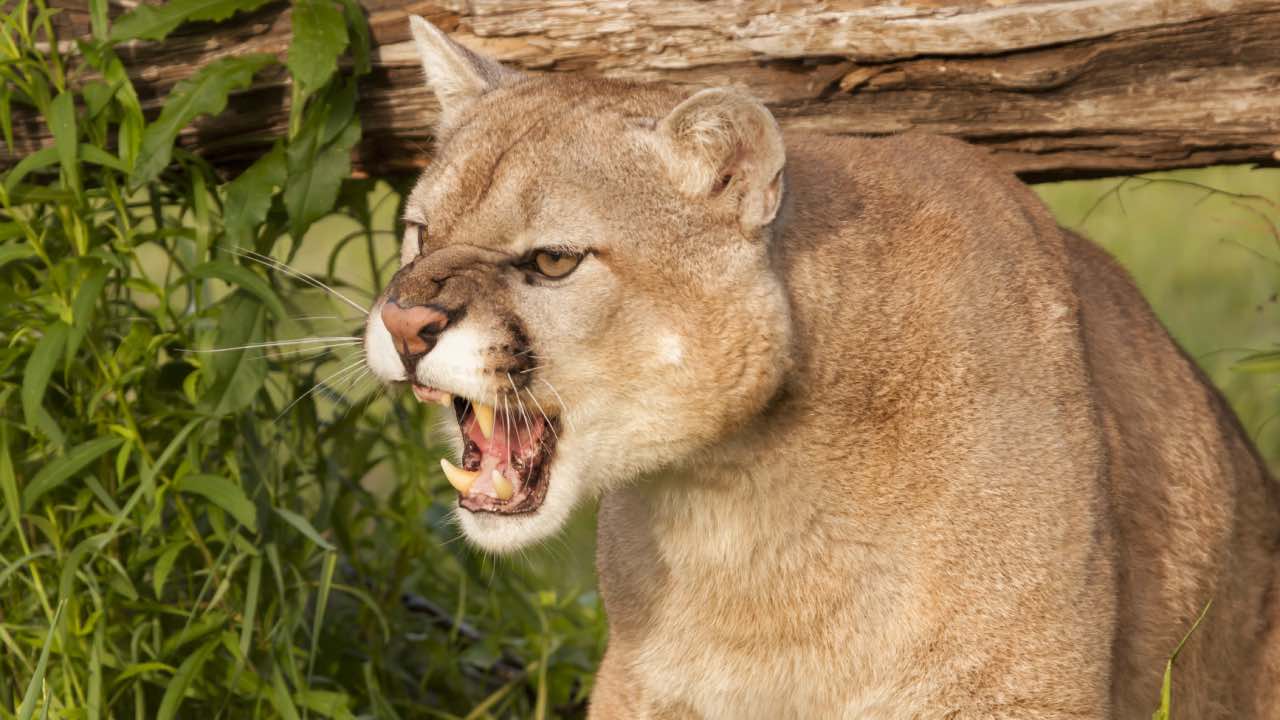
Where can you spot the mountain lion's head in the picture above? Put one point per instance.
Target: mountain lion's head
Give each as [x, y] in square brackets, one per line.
[585, 281]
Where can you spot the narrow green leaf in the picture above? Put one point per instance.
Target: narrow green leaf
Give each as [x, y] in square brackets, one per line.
[322, 603]
[1165, 711]
[358, 28]
[319, 37]
[1263, 362]
[248, 197]
[303, 526]
[8, 483]
[94, 701]
[40, 366]
[280, 696]
[62, 123]
[57, 472]
[98, 18]
[225, 494]
[187, 671]
[132, 121]
[139, 668]
[71, 563]
[6, 114]
[98, 156]
[42, 158]
[239, 373]
[164, 565]
[250, 605]
[204, 93]
[314, 180]
[28, 707]
[97, 95]
[326, 703]
[17, 565]
[244, 278]
[214, 621]
[154, 22]
[83, 307]
[15, 251]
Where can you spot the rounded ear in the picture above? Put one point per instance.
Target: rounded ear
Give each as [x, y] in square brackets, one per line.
[456, 75]
[721, 143]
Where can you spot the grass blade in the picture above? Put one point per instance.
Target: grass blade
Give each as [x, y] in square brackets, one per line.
[58, 471]
[28, 707]
[182, 679]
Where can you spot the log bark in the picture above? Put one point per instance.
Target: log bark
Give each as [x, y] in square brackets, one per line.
[1057, 89]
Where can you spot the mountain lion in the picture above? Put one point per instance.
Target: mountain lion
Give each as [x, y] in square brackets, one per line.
[872, 436]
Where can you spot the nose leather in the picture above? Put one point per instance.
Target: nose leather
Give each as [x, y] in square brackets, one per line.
[414, 329]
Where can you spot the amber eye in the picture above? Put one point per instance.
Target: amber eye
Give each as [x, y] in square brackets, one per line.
[555, 264]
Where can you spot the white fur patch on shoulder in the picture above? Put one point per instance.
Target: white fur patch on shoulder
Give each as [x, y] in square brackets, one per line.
[671, 349]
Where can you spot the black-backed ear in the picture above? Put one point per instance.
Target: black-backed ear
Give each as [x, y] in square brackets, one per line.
[724, 143]
[456, 75]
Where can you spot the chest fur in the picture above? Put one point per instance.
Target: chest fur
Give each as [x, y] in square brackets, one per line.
[733, 622]
[780, 652]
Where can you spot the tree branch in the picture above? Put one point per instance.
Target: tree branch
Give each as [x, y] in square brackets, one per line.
[1056, 89]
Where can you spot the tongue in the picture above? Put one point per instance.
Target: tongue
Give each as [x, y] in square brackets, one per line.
[509, 450]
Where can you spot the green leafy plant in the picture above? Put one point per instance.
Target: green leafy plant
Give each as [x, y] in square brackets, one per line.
[199, 518]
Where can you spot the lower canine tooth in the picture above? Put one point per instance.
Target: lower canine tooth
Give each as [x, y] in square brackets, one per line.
[460, 479]
[502, 486]
[484, 418]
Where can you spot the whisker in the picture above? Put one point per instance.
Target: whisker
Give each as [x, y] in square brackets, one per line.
[351, 388]
[298, 354]
[520, 404]
[506, 424]
[309, 279]
[332, 341]
[544, 414]
[364, 404]
[535, 367]
[348, 369]
[351, 383]
[561, 399]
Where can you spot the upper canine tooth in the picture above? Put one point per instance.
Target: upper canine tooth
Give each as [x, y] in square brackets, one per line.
[446, 400]
[460, 479]
[484, 418]
[502, 486]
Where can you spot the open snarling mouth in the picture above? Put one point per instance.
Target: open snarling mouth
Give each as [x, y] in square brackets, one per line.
[506, 454]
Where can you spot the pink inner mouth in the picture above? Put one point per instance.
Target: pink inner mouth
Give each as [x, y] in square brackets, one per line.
[519, 449]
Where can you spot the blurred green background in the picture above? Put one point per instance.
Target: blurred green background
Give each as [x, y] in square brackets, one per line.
[1202, 246]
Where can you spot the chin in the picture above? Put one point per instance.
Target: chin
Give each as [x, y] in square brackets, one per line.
[504, 533]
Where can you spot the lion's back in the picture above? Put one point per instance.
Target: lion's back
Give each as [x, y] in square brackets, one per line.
[1197, 514]
[1192, 511]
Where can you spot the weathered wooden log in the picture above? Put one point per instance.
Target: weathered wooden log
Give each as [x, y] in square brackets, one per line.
[1057, 89]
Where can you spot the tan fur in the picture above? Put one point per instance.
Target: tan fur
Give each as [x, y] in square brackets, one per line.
[904, 450]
